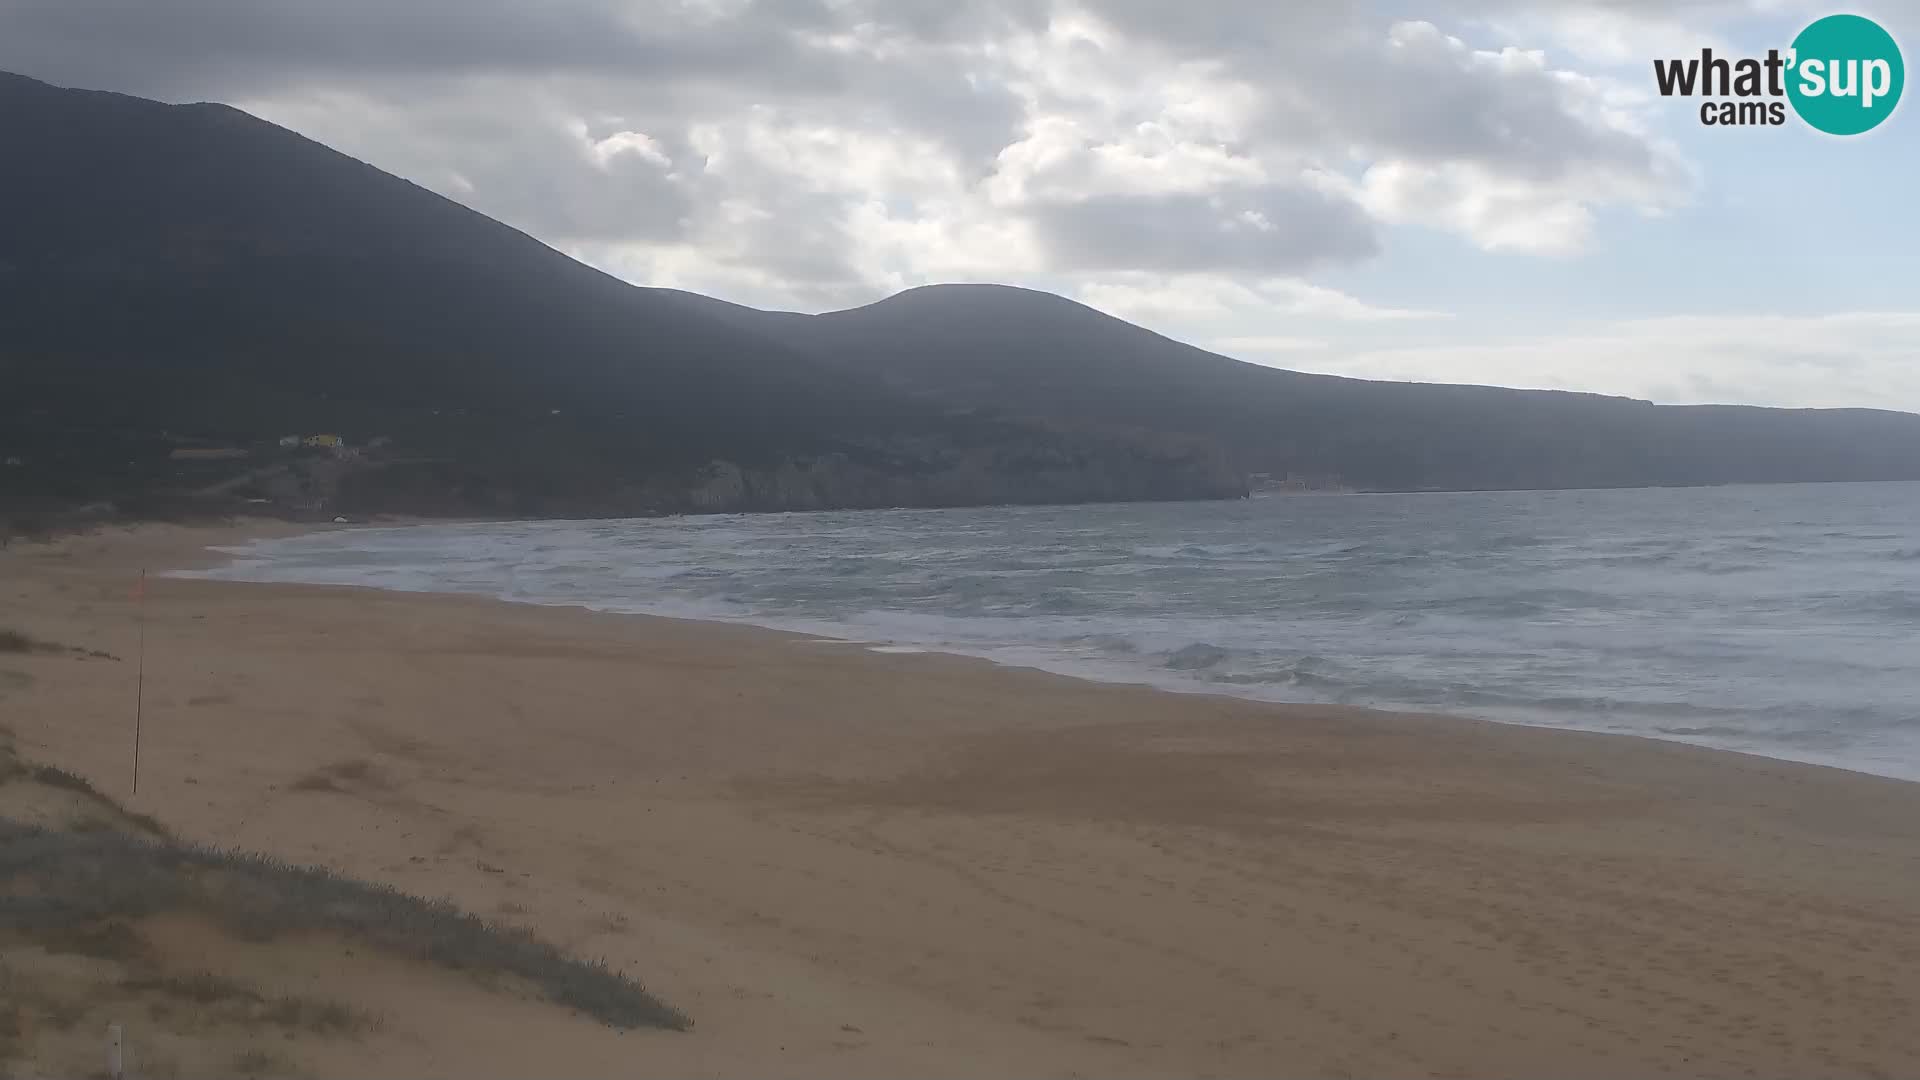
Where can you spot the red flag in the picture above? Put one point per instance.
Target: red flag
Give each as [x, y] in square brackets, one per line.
[139, 592]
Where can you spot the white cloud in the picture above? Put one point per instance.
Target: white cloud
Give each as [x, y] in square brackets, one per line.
[1197, 299]
[1838, 360]
[1613, 37]
[636, 143]
[1513, 198]
[1303, 298]
[1255, 346]
[1494, 212]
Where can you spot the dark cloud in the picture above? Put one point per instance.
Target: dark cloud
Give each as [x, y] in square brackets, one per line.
[501, 103]
[974, 118]
[943, 21]
[222, 47]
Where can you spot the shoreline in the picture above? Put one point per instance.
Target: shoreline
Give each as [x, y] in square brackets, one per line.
[846, 863]
[1093, 672]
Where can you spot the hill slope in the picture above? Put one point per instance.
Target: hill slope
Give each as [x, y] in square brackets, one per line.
[181, 276]
[1001, 346]
[176, 280]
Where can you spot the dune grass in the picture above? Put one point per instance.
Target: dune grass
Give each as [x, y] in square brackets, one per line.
[107, 813]
[320, 1016]
[83, 889]
[57, 883]
[15, 641]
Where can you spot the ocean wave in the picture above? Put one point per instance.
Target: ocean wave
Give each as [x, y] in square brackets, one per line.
[1625, 612]
[1106, 643]
[1198, 656]
[1708, 731]
[1062, 602]
[1712, 568]
[1898, 605]
[1815, 738]
[1521, 603]
[1206, 552]
[1509, 542]
[1309, 674]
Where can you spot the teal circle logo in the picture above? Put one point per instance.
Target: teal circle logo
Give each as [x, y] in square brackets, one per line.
[1846, 74]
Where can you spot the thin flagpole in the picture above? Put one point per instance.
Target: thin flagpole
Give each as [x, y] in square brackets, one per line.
[140, 678]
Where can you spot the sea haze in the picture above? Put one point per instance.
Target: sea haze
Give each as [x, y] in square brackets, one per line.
[1774, 620]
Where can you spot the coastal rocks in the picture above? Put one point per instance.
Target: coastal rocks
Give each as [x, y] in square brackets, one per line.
[719, 486]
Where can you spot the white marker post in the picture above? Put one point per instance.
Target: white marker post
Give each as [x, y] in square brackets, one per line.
[116, 1052]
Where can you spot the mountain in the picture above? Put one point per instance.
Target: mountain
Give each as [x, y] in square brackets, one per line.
[1047, 356]
[190, 278]
[181, 287]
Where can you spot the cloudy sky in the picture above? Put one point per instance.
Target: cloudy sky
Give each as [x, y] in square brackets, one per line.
[1477, 191]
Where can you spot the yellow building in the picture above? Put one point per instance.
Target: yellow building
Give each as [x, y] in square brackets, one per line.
[323, 440]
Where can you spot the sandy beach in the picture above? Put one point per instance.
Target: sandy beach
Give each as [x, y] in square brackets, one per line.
[847, 864]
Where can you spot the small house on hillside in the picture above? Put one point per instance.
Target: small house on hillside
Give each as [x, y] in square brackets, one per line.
[289, 441]
[327, 441]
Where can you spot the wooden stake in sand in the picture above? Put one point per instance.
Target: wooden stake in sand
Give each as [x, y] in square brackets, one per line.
[140, 675]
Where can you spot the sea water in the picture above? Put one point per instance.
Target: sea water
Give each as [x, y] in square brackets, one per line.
[1777, 620]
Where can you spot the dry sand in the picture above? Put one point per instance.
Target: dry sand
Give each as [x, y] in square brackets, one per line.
[849, 864]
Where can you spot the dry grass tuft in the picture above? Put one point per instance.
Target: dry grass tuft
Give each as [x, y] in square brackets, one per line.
[105, 813]
[114, 941]
[244, 1005]
[59, 778]
[258, 1062]
[315, 781]
[340, 777]
[61, 882]
[76, 898]
[13, 641]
